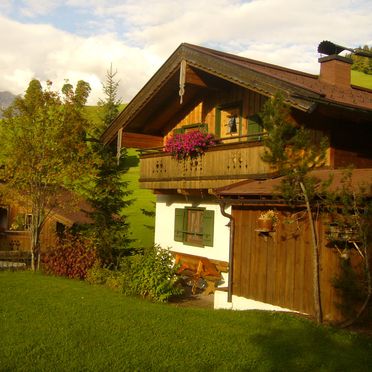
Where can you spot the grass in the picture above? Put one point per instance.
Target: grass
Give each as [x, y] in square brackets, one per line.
[49, 323]
[141, 226]
[361, 79]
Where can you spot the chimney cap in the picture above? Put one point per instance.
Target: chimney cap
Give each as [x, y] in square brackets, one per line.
[335, 57]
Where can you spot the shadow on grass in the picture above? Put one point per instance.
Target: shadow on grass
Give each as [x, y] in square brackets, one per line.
[301, 347]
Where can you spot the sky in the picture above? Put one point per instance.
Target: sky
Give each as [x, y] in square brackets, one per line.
[73, 40]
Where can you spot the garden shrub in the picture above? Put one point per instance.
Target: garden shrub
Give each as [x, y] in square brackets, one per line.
[151, 274]
[97, 274]
[103, 276]
[72, 257]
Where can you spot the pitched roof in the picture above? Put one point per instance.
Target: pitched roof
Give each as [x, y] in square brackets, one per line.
[72, 209]
[359, 178]
[302, 90]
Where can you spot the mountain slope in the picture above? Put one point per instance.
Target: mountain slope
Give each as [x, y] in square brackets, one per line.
[6, 98]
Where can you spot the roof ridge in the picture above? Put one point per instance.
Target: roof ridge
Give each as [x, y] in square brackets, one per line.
[249, 60]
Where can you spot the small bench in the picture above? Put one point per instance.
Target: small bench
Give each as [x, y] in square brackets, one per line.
[197, 267]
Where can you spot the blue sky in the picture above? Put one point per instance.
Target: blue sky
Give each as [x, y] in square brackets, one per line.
[78, 39]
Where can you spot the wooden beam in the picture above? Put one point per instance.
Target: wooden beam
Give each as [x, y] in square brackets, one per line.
[140, 141]
[194, 78]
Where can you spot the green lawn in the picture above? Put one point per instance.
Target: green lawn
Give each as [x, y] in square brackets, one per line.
[361, 79]
[49, 323]
[141, 225]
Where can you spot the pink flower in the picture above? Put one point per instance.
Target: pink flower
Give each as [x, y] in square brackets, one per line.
[189, 144]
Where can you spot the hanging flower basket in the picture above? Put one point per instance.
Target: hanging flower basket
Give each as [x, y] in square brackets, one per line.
[267, 221]
[188, 145]
[265, 224]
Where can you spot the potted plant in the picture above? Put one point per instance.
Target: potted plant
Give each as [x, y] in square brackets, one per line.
[267, 220]
[190, 144]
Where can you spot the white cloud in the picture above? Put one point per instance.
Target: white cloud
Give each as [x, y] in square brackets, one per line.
[40, 51]
[138, 35]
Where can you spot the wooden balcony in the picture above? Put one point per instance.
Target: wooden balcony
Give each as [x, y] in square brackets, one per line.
[221, 165]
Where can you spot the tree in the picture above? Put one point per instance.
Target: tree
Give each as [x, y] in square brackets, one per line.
[108, 196]
[107, 192]
[110, 105]
[360, 63]
[43, 149]
[292, 150]
[349, 210]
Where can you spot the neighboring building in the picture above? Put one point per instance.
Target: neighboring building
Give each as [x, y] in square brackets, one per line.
[200, 88]
[15, 223]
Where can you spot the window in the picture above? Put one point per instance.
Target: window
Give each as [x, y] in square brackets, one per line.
[3, 219]
[60, 229]
[194, 226]
[191, 127]
[28, 221]
[228, 120]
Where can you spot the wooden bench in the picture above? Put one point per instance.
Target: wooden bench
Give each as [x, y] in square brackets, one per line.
[197, 267]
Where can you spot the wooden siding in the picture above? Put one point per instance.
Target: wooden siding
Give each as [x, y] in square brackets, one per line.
[206, 106]
[140, 141]
[219, 166]
[277, 268]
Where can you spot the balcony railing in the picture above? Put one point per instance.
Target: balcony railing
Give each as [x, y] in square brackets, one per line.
[220, 165]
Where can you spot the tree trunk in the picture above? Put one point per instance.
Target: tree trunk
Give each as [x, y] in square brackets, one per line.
[316, 281]
[35, 243]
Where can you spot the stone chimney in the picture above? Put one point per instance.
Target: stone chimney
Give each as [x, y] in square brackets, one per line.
[335, 70]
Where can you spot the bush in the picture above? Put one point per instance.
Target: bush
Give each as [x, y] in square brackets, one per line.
[151, 274]
[97, 274]
[103, 276]
[72, 257]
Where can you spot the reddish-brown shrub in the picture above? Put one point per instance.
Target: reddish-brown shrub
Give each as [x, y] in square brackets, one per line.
[72, 257]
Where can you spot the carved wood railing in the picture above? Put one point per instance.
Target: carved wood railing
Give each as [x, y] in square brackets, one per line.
[220, 165]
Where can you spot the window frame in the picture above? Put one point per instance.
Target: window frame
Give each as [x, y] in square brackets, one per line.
[218, 121]
[181, 229]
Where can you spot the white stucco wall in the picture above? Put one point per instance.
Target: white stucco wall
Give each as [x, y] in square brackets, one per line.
[164, 227]
[241, 303]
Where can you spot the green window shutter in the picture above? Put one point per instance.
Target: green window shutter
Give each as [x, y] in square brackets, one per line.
[254, 126]
[178, 130]
[217, 129]
[208, 227]
[203, 127]
[178, 225]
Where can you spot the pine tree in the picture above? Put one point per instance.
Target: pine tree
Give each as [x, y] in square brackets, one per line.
[110, 105]
[108, 193]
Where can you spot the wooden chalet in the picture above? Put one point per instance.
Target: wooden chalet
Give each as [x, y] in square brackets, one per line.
[209, 90]
[15, 221]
